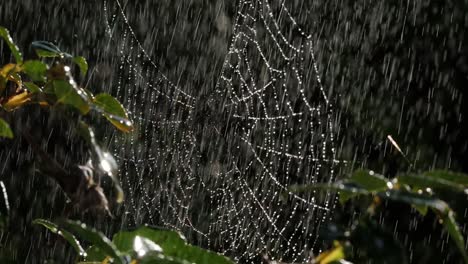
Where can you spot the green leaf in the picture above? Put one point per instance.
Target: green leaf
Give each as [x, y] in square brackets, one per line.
[96, 238]
[332, 255]
[370, 181]
[143, 246]
[48, 49]
[113, 111]
[172, 244]
[54, 228]
[453, 229]
[346, 190]
[36, 70]
[422, 182]
[32, 87]
[67, 94]
[5, 130]
[454, 177]
[5, 34]
[82, 64]
[415, 199]
[94, 253]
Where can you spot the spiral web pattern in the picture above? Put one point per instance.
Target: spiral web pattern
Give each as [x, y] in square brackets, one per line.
[219, 168]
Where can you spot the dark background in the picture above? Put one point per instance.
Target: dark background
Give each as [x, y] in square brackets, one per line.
[391, 67]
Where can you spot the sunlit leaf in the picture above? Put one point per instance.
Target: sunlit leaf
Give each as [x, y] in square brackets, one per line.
[32, 87]
[332, 255]
[369, 180]
[67, 94]
[96, 238]
[14, 49]
[5, 130]
[17, 100]
[172, 245]
[9, 72]
[7, 69]
[47, 49]
[113, 111]
[143, 246]
[82, 64]
[36, 70]
[54, 228]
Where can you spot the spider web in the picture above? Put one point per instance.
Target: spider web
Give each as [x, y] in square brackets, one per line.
[219, 168]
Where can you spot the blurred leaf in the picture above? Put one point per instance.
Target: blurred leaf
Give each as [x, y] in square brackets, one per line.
[415, 199]
[94, 253]
[369, 180]
[346, 190]
[143, 246]
[172, 245]
[54, 228]
[5, 206]
[423, 182]
[47, 49]
[161, 259]
[421, 209]
[36, 70]
[113, 111]
[32, 87]
[96, 238]
[67, 94]
[102, 159]
[82, 64]
[453, 229]
[14, 49]
[378, 244]
[454, 177]
[332, 255]
[8, 69]
[17, 100]
[5, 130]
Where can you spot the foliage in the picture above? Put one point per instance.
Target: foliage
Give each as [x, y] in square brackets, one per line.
[49, 83]
[421, 191]
[142, 245]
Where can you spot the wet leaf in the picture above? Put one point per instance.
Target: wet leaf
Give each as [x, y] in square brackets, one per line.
[47, 49]
[422, 182]
[369, 180]
[113, 111]
[17, 100]
[143, 246]
[5, 130]
[36, 70]
[54, 228]
[415, 199]
[452, 227]
[96, 238]
[32, 87]
[172, 244]
[5, 206]
[82, 64]
[454, 177]
[332, 255]
[67, 94]
[5, 34]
